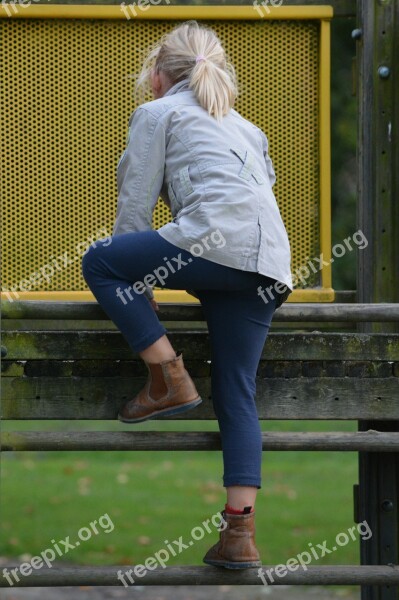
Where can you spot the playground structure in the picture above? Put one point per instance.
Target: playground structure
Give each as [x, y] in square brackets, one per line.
[57, 342]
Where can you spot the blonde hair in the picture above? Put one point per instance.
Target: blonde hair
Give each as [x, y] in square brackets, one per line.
[213, 80]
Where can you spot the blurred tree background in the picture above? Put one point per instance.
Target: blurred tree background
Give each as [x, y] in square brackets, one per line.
[343, 148]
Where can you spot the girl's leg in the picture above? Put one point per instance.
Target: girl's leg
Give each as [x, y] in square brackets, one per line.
[115, 272]
[238, 325]
[160, 350]
[239, 496]
[238, 321]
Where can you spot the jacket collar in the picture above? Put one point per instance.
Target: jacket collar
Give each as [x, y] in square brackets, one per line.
[180, 86]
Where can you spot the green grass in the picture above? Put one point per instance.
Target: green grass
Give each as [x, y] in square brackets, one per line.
[306, 497]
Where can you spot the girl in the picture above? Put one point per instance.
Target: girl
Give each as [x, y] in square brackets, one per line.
[227, 245]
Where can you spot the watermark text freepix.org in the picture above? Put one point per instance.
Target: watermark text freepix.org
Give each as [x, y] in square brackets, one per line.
[161, 273]
[129, 10]
[55, 264]
[304, 558]
[7, 6]
[175, 547]
[48, 555]
[262, 7]
[303, 272]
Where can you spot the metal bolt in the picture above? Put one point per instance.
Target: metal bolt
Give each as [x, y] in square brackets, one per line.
[384, 72]
[387, 505]
[357, 34]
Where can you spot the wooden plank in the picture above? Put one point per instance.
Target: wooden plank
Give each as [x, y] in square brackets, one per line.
[279, 398]
[378, 156]
[377, 265]
[12, 369]
[105, 441]
[198, 368]
[204, 575]
[377, 496]
[288, 312]
[54, 325]
[68, 345]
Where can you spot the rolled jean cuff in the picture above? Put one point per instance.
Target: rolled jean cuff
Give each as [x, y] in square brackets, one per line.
[227, 482]
[148, 339]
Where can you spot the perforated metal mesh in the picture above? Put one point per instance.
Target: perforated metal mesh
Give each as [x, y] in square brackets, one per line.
[66, 103]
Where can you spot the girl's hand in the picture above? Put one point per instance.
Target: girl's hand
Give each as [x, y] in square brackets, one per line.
[154, 304]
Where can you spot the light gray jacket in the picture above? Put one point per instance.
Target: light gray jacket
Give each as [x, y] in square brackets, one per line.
[216, 179]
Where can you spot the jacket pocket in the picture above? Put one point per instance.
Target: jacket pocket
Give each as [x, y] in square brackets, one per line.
[188, 209]
[174, 204]
[179, 188]
[248, 165]
[185, 181]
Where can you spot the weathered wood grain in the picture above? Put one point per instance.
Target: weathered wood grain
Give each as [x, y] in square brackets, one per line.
[279, 398]
[195, 345]
[288, 312]
[373, 441]
[206, 575]
[198, 368]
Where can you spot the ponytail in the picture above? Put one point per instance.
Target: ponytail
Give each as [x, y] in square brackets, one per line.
[195, 52]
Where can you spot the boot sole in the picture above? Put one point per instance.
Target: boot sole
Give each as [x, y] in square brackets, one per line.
[234, 565]
[164, 412]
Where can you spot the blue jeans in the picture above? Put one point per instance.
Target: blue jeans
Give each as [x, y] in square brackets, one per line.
[238, 322]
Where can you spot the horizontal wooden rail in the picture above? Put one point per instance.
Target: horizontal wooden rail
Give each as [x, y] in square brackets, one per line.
[205, 575]
[346, 398]
[195, 345]
[288, 312]
[371, 440]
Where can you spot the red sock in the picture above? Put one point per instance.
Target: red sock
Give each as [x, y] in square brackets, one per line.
[235, 511]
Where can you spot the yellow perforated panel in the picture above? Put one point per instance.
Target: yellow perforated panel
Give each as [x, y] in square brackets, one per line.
[66, 103]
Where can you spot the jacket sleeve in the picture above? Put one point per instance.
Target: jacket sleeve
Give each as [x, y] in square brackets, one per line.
[269, 164]
[140, 175]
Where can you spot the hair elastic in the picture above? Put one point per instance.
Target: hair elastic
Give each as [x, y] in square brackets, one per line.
[200, 57]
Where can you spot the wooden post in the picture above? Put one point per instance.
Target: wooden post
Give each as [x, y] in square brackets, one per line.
[378, 154]
[378, 264]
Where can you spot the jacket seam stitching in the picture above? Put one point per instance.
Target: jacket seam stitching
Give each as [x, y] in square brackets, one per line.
[139, 183]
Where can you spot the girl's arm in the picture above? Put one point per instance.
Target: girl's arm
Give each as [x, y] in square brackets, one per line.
[140, 175]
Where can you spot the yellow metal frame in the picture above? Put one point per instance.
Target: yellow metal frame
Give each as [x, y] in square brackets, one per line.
[325, 160]
[226, 13]
[317, 12]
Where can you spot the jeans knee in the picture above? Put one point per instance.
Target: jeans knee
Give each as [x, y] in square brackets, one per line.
[89, 259]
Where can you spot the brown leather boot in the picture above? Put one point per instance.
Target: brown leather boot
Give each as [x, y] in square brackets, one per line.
[172, 392]
[236, 546]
